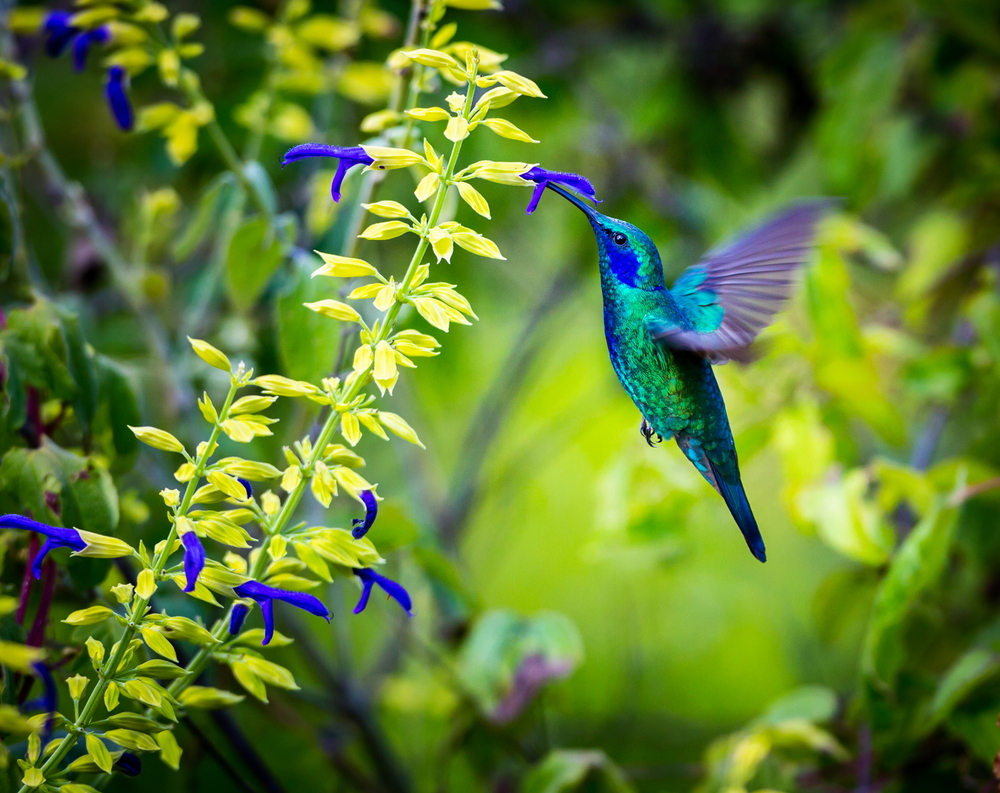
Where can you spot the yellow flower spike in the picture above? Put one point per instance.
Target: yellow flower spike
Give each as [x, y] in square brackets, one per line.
[427, 187]
[441, 243]
[428, 114]
[505, 129]
[519, 84]
[385, 372]
[388, 209]
[474, 199]
[363, 357]
[457, 129]
[334, 309]
[386, 296]
[388, 230]
[387, 158]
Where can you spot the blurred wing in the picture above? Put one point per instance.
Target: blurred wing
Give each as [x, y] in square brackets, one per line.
[734, 291]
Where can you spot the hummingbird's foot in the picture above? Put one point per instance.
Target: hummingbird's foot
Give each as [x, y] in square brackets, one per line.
[648, 432]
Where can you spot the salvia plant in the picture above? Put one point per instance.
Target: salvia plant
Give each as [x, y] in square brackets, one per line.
[235, 538]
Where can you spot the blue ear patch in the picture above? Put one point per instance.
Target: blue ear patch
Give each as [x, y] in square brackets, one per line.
[624, 265]
[698, 304]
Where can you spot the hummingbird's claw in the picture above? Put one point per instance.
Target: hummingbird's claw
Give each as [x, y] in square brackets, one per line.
[648, 432]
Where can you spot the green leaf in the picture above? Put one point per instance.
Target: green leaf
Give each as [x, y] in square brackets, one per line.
[80, 361]
[254, 254]
[115, 391]
[811, 703]
[259, 179]
[972, 668]
[567, 769]
[307, 341]
[209, 207]
[914, 569]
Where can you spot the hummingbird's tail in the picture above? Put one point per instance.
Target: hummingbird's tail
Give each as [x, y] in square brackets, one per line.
[736, 499]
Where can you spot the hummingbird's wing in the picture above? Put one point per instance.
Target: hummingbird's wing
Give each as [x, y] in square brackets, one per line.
[733, 292]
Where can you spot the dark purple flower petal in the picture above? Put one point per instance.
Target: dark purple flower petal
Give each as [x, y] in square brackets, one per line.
[543, 177]
[267, 612]
[117, 95]
[347, 157]
[246, 486]
[362, 525]
[55, 537]
[82, 44]
[238, 617]
[129, 764]
[194, 559]
[266, 595]
[396, 591]
[48, 700]
[60, 31]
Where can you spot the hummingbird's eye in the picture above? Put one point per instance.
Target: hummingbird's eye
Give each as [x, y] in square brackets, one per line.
[619, 238]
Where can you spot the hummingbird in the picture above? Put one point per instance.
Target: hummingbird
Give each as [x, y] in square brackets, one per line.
[663, 342]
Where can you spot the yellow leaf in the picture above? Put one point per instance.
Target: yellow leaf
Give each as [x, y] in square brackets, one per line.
[385, 372]
[474, 199]
[397, 424]
[343, 266]
[427, 187]
[334, 309]
[505, 129]
[457, 129]
[477, 244]
[428, 113]
[146, 584]
[158, 439]
[210, 354]
[99, 753]
[387, 209]
[385, 231]
[158, 643]
[433, 311]
[88, 616]
[519, 84]
[350, 428]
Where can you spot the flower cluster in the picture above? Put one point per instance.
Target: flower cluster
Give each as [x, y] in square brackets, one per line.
[217, 504]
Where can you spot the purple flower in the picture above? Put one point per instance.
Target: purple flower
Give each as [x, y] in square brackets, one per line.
[129, 764]
[266, 595]
[361, 525]
[544, 178]
[81, 46]
[194, 559]
[55, 537]
[347, 157]
[60, 31]
[369, 578]
[238, 617]
[47, 702]
[116, 91]
[246, 486]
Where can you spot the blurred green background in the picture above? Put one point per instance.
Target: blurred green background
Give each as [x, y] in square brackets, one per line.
[872, 397]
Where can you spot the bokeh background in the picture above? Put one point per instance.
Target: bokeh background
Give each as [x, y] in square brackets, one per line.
[871, 404]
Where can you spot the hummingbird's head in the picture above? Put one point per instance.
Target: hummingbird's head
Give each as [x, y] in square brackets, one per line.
[626, 253]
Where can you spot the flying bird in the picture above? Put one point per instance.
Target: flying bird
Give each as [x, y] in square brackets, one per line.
[663, 342]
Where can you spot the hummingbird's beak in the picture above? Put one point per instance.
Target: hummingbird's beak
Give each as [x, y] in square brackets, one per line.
[588, 210]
